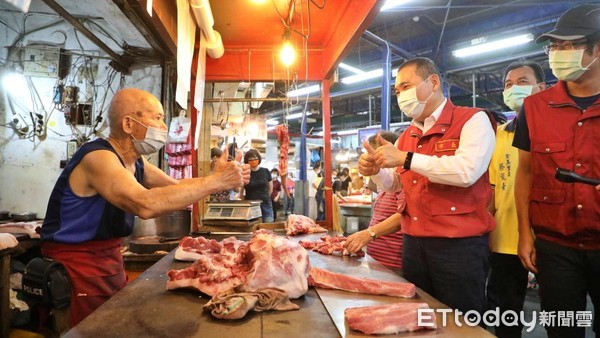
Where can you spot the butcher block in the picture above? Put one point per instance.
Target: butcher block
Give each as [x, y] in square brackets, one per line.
[144, 308]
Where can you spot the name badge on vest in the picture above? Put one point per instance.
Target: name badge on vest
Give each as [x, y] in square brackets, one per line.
[447, 145]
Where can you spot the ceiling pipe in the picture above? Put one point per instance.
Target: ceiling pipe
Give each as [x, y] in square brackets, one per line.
[376, 40]
[385, 79]
[119, 62]
[205, 20]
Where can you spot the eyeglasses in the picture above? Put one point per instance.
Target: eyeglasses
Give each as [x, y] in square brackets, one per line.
[564, 46]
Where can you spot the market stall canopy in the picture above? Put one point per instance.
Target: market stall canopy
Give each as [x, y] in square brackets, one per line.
[321, 31]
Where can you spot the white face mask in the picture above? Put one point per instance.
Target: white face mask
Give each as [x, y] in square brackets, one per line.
[566, 64]
[410, 104]
[514, 96]
[154, 140]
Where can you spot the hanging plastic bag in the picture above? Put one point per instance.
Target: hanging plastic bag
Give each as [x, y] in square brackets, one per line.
[179, 128]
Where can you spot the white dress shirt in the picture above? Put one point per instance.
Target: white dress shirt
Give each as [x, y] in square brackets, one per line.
[464, 168]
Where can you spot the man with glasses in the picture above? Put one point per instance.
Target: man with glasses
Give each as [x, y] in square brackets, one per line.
[560, 127]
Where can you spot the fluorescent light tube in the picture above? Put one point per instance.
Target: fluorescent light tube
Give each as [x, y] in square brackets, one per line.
[296, 116]
[272, 122]
[350, 68]
[304, 91]
[389, 4]
[493, 45]
[363, 76]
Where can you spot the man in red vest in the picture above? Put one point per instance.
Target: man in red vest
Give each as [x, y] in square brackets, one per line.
[560, 127]
[441, 162]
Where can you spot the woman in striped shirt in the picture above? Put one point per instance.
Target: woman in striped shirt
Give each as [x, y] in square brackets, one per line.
[383, 237]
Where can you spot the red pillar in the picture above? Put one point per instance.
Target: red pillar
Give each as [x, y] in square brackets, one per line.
[325, 84]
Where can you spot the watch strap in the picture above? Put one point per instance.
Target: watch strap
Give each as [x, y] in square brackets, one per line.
[408, 160]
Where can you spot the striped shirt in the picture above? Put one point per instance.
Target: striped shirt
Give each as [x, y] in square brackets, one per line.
[387, 249]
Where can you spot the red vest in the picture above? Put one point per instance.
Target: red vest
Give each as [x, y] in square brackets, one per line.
[441, 210]
[563, 135]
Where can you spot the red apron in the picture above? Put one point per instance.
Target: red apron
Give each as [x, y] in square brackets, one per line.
[96, 271]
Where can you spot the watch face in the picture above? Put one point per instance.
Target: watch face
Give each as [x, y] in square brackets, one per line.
[371, 232]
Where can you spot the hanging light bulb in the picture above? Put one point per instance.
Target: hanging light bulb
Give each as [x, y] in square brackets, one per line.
[287, 54]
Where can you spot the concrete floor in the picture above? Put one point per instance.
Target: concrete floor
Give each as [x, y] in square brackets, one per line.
[532, 303]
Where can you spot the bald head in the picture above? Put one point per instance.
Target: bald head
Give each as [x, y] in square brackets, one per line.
[131, 101]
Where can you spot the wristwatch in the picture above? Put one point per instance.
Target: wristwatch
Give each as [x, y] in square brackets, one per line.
[372, 233]
[408, 160]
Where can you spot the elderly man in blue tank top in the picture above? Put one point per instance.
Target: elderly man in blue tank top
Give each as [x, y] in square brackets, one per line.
[106, 183]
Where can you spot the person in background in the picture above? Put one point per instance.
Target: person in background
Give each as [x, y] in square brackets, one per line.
[357, 185]
[276, 192]
[441, 163]
[108, 182]
[346, 180]
[289, 200]
[559, 223]
[313, 183]
[223, 195]
[320, 195]
[336, 183]
[260, 185]
[384, 225]
[507, 282]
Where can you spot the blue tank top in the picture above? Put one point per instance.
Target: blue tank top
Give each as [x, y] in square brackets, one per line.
[74, 219]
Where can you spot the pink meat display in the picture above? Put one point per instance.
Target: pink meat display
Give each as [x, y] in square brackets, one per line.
[321, 278]
[191, 249]
[330, 245]
[298, 224]
[265, 261]
[277, 262]
[389, 319]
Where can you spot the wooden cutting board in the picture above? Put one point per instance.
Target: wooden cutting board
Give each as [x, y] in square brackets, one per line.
[151, 244]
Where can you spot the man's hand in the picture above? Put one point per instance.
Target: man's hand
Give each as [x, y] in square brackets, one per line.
[388, 155]
[245, 172]
[357, 241]
[527, 252]
[366, 162]
[245, 167]
[229, 174]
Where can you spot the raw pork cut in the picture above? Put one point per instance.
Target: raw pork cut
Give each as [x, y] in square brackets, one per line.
[265, 261]
[234, 305]
[277, 262]
[388, 319]
[191, 249]
[298, 224]
[283, 137]
[324, 279]
[30, 228]
[329, 245]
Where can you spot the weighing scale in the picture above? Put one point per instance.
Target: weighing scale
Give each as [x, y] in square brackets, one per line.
[240, 214]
